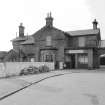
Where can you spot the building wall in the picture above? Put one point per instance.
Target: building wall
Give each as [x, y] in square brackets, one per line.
[90, 58]
[73, 43]
[16, 45]
[57, 41]
[28, 49]
[91, 41]
[60, 43]
[83, 41]
[96, 58]
[54, 41]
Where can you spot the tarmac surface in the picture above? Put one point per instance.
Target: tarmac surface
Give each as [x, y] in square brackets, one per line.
[61, 87]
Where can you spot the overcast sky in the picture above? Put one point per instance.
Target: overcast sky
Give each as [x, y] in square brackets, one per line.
[68, 15]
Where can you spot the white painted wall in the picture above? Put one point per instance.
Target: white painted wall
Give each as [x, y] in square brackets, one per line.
[11, 68]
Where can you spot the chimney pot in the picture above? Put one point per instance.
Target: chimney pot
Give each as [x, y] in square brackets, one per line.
[21, 30]
[49, 20]
[95, 24]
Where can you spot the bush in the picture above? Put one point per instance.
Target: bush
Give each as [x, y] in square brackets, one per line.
[43, 69]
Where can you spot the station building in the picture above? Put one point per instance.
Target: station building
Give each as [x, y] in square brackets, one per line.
[73, 49]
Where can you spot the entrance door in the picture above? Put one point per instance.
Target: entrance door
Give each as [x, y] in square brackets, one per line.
[72, 61]
[69, 61]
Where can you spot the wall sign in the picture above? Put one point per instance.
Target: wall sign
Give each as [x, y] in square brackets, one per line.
[75, 51]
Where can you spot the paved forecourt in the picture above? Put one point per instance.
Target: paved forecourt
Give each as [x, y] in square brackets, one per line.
[79, 88]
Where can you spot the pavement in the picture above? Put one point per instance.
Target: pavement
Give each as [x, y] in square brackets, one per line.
[66, 88]
[10, 86]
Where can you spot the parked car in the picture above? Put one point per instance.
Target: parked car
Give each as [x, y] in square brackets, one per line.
[29, 70]
[24, 71]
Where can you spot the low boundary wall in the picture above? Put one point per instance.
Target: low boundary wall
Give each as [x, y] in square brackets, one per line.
[14, 68]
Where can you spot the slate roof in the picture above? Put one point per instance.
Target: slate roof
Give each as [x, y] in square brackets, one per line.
[20, 38]
[13, 53]
[83, 32]
[46, 31]
[30, 40]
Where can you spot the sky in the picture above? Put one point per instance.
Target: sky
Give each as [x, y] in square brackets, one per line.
[68, 15]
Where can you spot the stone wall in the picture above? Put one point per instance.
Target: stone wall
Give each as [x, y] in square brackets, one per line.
[14, 68]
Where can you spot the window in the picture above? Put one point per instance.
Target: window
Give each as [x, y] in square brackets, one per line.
[83, 59]
[48, 41]
[81, 41]
[49, 58]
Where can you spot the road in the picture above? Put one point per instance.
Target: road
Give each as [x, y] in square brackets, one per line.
[68, 89]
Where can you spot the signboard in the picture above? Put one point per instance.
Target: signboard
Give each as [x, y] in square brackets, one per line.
[75, 51]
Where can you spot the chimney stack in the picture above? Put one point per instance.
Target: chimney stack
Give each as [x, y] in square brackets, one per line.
[95, 24]
[21, 30]
[49, 20]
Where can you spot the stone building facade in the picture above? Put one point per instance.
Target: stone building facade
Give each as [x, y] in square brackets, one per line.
[73, 49]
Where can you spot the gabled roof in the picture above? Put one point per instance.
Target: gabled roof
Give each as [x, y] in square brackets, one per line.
[3, 54]
[46, 31]
[83, 32]
[13, 54]
[30, 40]
[45, 28]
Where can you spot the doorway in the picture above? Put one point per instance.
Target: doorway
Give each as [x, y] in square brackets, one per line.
[69, 61]
[72, 61]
